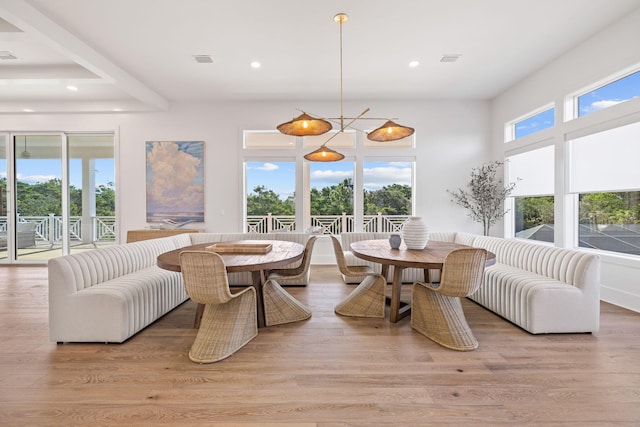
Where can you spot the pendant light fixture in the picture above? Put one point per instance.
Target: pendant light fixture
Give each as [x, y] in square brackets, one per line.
[324, 154]
[25, 154]
[309, 125]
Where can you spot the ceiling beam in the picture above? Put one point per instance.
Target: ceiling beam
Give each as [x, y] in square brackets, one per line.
[44, 30]
[24, 72]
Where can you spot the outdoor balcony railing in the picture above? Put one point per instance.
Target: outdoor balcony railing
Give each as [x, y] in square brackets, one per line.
[326, 224]
[48, 229]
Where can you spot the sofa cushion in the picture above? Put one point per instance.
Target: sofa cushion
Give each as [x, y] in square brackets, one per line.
[527, 299]
[119, 308]
[541, 288]
[108, 294]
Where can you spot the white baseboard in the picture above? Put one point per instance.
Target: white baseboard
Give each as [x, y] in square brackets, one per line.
[620, 298]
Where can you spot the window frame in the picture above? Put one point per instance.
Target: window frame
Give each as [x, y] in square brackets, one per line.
[510, 126]
[359, 154]
[571, 107]
[566, 209]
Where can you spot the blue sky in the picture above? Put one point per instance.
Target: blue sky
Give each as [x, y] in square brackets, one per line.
[606, 96]
[280, 176]
[42, 170]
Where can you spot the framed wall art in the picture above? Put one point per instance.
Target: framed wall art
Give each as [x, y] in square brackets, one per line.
[175, 182]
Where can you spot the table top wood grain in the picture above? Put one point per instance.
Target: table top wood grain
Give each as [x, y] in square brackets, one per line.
[432, 256]
[282, 253]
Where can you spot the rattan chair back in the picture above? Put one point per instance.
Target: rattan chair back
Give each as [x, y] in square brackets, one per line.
[205, 277]
[462, 272]
[348, 270]
[299, 271]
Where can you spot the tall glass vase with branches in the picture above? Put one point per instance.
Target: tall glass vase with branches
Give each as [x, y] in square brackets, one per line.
[485, 195]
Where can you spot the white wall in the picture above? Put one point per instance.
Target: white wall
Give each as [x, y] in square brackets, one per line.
[451, 138]
[612, 50]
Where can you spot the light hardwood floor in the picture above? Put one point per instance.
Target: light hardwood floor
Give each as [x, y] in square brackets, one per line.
[328, 371]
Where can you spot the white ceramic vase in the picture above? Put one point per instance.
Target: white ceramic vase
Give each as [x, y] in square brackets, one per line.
[415, 233]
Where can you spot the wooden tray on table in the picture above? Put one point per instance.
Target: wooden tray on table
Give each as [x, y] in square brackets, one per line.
[240, 248]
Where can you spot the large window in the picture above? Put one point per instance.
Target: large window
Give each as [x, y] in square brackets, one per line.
[533, 206]
[270, 189]
[387, 188]
[610, 221]
[332, 196]
[606, 178]
[611, 94]
[357, 193]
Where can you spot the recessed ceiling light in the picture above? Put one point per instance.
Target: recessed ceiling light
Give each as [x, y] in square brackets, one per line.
[255, 64]
[450, 57]
[117, 109]
[27, 110]
[203, 59]
[414, 64]
[72, 88]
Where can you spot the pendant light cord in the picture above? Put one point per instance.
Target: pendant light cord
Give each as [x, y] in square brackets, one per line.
[341, 106]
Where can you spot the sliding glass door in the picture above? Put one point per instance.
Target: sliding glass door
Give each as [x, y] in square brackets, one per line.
[38, 196]
[58, 194]
[92, 210]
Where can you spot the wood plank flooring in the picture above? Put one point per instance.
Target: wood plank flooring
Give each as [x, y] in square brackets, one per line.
[329, 371]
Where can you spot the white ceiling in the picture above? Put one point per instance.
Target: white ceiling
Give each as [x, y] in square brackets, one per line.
[138, 54]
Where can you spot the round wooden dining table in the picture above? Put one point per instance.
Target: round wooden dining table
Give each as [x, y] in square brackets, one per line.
[281, 253]
[430, 258]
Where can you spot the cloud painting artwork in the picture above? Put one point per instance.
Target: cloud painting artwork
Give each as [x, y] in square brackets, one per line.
[175, 181]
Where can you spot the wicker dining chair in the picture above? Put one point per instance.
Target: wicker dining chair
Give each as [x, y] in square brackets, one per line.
[436, 312]
[229, 321]
[288, 275]
[280, 306]
[368, 298]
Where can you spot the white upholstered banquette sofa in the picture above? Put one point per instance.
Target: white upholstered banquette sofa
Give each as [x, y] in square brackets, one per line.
[110, 294]
[540, 288]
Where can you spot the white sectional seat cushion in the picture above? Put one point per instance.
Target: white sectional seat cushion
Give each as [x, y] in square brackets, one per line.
[109, 294]
[541, 288]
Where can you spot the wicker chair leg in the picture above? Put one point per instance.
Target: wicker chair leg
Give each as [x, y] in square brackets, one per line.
[441, 319]
[280, 307]
[366, 300]
[225, 328]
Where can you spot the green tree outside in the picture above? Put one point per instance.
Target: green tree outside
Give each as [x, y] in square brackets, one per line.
[337, 199]
[610, 208]
[533, 211]
[394, 199]
[44, 198]
[263, 201]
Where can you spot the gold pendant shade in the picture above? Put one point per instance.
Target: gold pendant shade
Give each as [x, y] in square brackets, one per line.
[324, 154]
[390, 131]
[307, 125]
